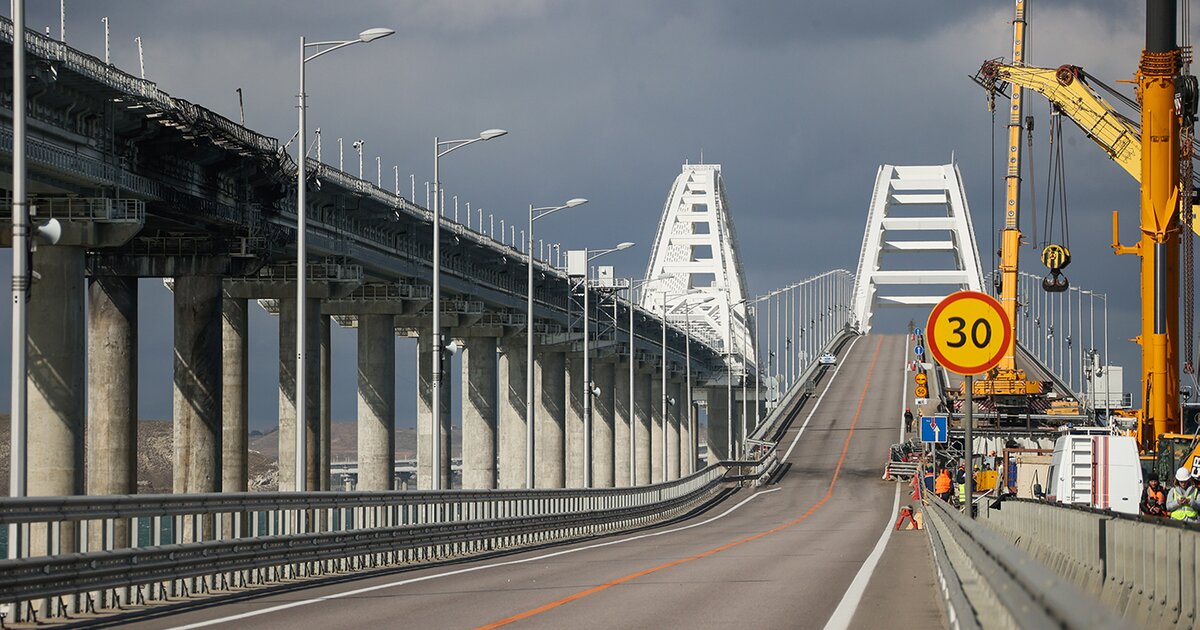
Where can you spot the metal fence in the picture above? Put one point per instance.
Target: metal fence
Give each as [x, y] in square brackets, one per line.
[989, 582]
[1143, 569]
[86, 553]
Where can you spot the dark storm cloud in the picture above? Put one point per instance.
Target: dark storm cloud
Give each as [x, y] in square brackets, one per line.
[799, 101]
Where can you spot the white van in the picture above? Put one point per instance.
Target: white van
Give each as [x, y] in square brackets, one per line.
[1092, 466]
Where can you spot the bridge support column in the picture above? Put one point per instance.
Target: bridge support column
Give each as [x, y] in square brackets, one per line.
[657, 422]
[376, 401]
[198, 379]
[643, 419]
[56, 347]
[112, 387]
[575, 435]
[718, 421]
[513, 423]
[479, 412]
[550, 412]
[235, 405]
[674, 419]
[325, 444]
[602, 425]
[287, 394]
[687, 437]
[425, 419]
[622, 415]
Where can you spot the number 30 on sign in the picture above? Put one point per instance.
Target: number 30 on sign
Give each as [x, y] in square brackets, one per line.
[968, 332]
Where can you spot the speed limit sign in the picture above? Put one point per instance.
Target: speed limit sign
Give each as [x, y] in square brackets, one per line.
[968, 332]
[921, 391]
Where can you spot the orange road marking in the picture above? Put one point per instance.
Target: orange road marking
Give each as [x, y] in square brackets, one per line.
[633, 576]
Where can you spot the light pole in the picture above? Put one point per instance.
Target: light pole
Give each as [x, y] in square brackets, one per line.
[321, 48]
[688, 356]
[632, 370]
[436, 334]
[534, 214]
[587, 257]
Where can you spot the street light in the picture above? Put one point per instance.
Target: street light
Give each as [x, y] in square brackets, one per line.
[534, 214]
[436, 334]
[587, 257]
[687, 351]
[321, 48]
[632, 369]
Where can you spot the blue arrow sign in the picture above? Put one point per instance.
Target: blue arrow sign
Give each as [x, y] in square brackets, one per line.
[919, 350]
[917, 332]
[933, 429]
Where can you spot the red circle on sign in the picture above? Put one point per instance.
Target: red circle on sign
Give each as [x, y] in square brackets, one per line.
[935, 343]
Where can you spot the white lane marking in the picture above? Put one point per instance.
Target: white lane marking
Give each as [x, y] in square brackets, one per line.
[425, 578]
[804, 426]
[846, 608]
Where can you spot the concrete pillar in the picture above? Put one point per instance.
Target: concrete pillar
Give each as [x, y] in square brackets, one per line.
[513, 423]
[479, 413]
[674, 419]
[602, 425]
[656, 428]
[574, 426]
[622, 415]
[325, 441]
[287, 393]
[112, 386]
[376, 401]
[549, 370]
[198, 400]
[718, 419]
[643, 419]
[687, 443]
[57, 351]
[235, 401]
[425, 415]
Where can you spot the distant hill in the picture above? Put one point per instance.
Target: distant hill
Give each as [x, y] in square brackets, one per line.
[155, 461]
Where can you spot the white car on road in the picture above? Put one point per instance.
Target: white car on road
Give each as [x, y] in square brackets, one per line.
[827, 359]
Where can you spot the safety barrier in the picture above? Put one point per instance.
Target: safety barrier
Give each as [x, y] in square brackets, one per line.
[990, 582]
[86, 553]
[767, 431]
[1142, 569]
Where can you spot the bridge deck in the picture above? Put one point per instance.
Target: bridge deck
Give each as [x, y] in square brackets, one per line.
[781, 556]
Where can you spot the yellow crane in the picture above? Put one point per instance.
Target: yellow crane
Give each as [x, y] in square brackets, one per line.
[1006, 386]
[1153, 157]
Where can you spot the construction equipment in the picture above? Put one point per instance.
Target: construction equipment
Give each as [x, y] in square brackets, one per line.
[1151, 153]
[1006, 386]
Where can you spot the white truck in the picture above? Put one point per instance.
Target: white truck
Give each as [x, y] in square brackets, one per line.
[1096, 467]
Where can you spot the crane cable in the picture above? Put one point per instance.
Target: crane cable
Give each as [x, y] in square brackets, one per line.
[1056, 190]
[1187, 235]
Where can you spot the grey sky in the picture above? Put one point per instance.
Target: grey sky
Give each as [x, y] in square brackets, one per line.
[799, 101]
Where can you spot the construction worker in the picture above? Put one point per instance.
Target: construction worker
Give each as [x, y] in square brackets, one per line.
[1153, 497]
[1181, 501]
[908, 420]
[941, 487]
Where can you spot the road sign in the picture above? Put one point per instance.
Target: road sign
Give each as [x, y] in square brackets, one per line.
[919, 350]
[968, 332]
[921, 402]
[917, 332]
[921, 391]
[921, 378]
[933, 429]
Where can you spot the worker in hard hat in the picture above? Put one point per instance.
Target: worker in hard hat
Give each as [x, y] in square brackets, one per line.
[1181, 501]
[941, 487]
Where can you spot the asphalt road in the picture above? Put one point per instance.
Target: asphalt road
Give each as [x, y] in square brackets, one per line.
[782, 556]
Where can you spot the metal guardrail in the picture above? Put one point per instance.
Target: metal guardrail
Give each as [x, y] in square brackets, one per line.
[1145, 570]
[990, 582]
[102, 551]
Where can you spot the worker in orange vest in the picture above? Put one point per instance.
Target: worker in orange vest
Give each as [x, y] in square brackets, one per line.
[941, 487]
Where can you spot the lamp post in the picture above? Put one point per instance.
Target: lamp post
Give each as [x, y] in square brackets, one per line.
[688, 356]
[632, 369]
[321, 48]
[534, 214]
[588, 256]
[436, 333]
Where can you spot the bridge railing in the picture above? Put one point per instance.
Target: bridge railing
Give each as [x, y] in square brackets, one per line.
[988, 581]
[83, 553]
[1143, 570]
